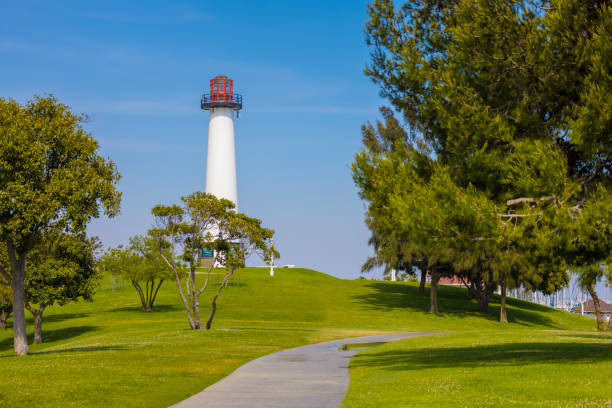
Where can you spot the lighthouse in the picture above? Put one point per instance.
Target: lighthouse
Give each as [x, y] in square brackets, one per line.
[221, 102]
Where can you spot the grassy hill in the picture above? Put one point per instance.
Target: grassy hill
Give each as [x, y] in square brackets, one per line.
[109, 353]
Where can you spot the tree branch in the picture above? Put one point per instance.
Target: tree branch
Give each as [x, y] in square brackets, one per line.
[521, 200]
[178, 285]
[139, 290]
[511, 216]
[208, 275]
[155, 294]
[545, 8]
[214, 301]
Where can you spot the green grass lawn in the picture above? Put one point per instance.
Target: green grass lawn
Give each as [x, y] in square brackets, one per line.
[108, 353]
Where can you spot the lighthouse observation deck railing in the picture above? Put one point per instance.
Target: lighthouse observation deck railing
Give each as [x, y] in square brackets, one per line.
[220, 100]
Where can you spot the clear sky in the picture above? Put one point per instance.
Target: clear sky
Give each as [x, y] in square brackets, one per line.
[138, 69]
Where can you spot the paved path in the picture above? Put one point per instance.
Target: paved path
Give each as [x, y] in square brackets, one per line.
[314, 376]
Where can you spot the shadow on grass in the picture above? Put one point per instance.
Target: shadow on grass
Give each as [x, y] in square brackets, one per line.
[512, 354]
[59, 317]
[452, 302]
[156, 309]
[600, 336]
[50, 336]
[80, 350]
[266, 329]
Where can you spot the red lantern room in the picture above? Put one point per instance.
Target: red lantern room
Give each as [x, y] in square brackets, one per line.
[221, 95]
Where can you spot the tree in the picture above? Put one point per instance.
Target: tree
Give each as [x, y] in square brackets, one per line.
[510, 97]
[51, 176]
[387, 148]
[6, 303]
[60, 269]
[142, 265]
[583, 247]
[205, 222]
[6, 297]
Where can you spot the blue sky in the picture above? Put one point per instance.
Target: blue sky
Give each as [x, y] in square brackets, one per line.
[138, 69]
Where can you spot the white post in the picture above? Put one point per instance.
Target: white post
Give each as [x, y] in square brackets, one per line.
[272, 260]
[563, 299]
[393, 275]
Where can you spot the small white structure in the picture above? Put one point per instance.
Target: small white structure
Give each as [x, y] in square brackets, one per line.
[272, 260]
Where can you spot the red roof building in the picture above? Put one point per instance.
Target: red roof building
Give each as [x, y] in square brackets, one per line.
[589, 307]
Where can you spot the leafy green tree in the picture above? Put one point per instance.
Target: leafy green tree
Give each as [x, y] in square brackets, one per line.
[60, 269]
[51, 176]
[142, 265]
[387, 149]
[205, 222]
[510, 98]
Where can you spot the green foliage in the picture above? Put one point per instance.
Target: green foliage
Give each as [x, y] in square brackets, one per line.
[6, 302]
[62, 269]
[206, 222]
[51, 177]
[506, 101]
[50, 171]
[141, 264]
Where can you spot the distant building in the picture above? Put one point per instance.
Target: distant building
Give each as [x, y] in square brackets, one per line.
[588, 308]
[451, 280]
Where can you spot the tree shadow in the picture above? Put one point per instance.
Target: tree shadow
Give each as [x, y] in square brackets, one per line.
[60, 317]
[50, 336]
[594, 336]
[511, 354]
[266, 329]
[156, 309]
[80, 350]
[452, 302]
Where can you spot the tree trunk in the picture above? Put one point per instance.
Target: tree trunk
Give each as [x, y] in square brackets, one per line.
[433, 291]
[214, 301]
[20, 341]
[483, 301]
[38, 325]
[37, 313]
[195, 301]
[3, 318]
[173, 267]
[140, 295]
[152, 300]
[423, 280]
[600, 321]
[503, 318]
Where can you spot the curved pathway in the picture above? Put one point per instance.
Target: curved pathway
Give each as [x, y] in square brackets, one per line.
[310, 376]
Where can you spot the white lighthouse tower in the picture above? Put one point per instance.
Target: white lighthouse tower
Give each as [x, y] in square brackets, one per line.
[221, 156]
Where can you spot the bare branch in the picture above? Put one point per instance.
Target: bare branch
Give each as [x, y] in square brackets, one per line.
[521, 200]
[545, 8]
[178, 285]
[575, 210]
[208, 276]
[511, 216]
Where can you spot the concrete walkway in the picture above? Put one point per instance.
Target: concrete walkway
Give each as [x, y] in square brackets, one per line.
[314, 376]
